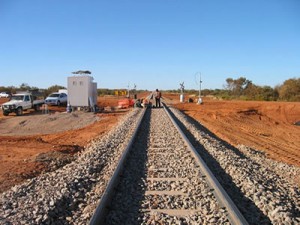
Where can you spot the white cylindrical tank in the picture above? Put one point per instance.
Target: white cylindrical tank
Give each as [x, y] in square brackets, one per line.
[181, 98]
[199, 101]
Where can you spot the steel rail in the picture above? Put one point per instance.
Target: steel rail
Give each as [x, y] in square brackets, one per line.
[234, 215]
[99, 215]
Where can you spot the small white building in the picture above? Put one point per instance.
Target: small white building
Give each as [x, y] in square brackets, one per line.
[82, 91]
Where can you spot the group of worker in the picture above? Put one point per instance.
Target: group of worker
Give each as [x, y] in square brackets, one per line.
[144, 102]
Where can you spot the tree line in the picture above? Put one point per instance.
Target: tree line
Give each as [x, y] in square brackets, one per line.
[244, 89]
[240, 88]
[24, 87]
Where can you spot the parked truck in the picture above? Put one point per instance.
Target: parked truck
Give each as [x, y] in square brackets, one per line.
[21, 102]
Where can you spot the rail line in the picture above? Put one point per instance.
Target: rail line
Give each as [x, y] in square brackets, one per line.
[161, 178]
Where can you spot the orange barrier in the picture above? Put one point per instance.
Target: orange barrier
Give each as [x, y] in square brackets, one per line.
[125, 103]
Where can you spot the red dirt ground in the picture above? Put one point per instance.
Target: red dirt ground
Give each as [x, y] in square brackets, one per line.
[18, 153]
[266, 126]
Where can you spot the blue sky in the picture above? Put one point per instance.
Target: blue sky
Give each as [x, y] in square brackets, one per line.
[153, 43]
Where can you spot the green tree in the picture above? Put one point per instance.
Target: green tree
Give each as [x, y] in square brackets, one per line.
[237, 86]
[251, 91]
[24, 87]
[267, 93]
[290, 90]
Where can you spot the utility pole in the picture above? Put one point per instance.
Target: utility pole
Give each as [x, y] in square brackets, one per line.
[134, 92]
[182, 91]
[200, 82]
[128, 95]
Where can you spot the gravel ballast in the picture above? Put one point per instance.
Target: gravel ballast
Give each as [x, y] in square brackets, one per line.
[263, 189]
[271, 195]
[70, 194]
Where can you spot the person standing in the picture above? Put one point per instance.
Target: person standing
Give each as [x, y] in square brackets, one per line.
[157, 96]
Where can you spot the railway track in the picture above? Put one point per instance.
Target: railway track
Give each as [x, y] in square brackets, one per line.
[162, 180]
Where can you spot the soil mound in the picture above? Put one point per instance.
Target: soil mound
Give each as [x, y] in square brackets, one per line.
[46, 123]
[270, 127]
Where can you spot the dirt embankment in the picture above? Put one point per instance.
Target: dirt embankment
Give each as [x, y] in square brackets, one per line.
[267, 126]
[30, 142]
[46, 123]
